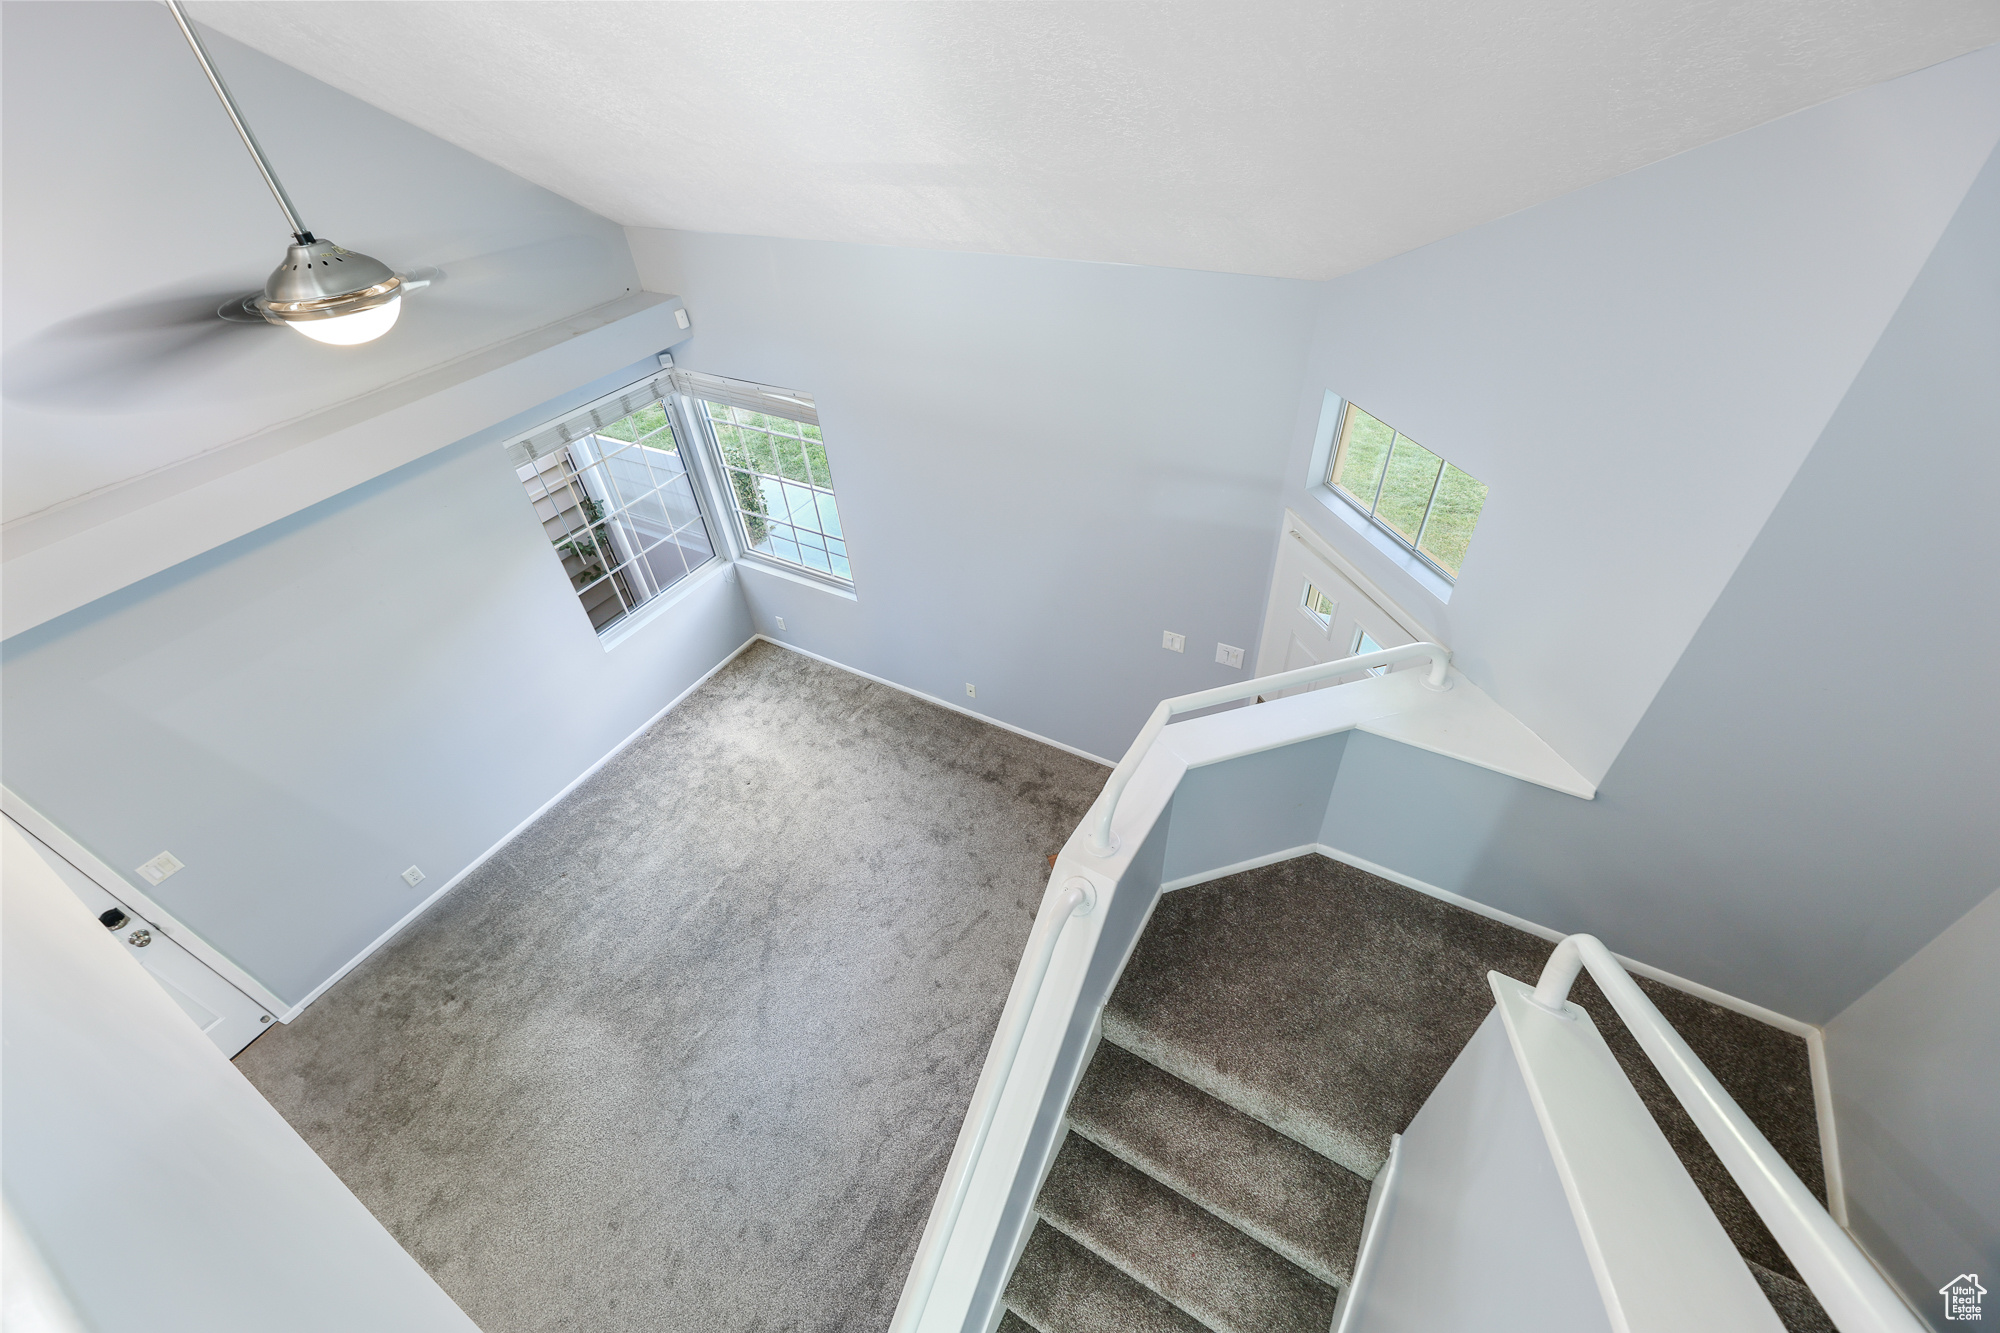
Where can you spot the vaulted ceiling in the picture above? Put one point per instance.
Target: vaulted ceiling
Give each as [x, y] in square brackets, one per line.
[1284, 138]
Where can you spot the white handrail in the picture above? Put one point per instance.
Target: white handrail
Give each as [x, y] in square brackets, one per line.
[1077, 899]
[1855, 1295]
[1438, 678]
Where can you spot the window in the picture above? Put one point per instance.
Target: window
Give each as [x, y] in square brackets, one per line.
[1318, 605]
[610, 484]
[775, 472]
[1423, 502]
[1364, 644]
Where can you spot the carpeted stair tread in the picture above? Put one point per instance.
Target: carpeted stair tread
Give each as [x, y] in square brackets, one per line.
[1798, 1309]
[1177, 1249]
[1060, 1287]
[1271, 1187]
[1327, 1003]
[1013, 1323]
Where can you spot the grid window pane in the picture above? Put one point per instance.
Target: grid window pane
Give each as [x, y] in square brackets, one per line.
[782, 488]
[620, 511]
[1407, 487]
[1364, 444]
[1448, 530]
[1424, 503]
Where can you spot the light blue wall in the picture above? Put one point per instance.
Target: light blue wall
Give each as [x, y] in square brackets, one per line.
[1637, 370]
[1915, 1069]
[395, 676]
[1041, 465]
[1815, 792]
[1254, 806]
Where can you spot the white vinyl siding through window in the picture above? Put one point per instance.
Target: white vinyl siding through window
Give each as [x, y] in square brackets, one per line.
[610, 485]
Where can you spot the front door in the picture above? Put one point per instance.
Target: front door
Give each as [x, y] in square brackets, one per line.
[1319, 611]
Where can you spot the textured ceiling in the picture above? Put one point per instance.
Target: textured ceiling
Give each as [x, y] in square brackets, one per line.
[1294, 139]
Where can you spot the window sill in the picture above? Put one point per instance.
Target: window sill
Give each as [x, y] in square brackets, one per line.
[666, 601]
[1426, 578]
[751, 560]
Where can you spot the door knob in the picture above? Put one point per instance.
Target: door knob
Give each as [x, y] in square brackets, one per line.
[139, 939]
[112, 918]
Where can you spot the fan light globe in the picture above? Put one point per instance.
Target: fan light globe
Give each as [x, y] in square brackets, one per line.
[332, 294]
[348, 330]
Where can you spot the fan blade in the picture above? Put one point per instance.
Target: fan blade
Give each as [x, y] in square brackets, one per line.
[107, 359]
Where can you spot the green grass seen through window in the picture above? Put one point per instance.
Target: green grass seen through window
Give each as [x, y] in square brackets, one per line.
[1407, 489]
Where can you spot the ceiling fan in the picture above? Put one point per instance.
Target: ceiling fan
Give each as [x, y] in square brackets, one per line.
[327, 292]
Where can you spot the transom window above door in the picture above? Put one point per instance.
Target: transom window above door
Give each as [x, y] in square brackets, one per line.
[1425, 504]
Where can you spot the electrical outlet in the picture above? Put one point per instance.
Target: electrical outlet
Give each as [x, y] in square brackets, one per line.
[1173, 643]
[413, 877]
[157, 869]
[781, 622]
[1229, 657]
[970, 693]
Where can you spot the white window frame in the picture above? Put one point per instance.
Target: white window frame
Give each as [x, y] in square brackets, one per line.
[559, 435]
[1427, 573]
[696, 388]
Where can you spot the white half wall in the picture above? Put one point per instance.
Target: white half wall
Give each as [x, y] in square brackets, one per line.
[1915, 1068]
[163, 1193]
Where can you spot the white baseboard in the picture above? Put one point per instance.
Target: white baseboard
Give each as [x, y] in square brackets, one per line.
[941, 703]
[510, 835]
[1829, 1138]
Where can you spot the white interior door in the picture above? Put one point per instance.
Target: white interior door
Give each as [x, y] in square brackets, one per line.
[1320, 610]
[226, 1016]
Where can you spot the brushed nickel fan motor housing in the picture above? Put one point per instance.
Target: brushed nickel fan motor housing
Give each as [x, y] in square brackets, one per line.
[321, 280]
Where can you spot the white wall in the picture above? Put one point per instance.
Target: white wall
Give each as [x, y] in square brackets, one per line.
[1915, 1066]
[161, 1190]
[399, 675]
[1637, 370]
[1041, 465]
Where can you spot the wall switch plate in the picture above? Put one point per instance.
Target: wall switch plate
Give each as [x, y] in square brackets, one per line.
[970, 693]
[1173, 643]
[1228, 656]
[157, 869]
[681, 317]
[781, 622]
[413, 877]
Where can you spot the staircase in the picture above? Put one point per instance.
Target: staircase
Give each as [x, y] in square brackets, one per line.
[1271, 1032]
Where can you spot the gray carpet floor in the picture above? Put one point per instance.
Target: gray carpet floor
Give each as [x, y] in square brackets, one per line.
[1272, 1030]
[691, 1052]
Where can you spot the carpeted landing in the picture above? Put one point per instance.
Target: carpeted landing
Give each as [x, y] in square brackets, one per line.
[1270, 1033]
[691, 1052]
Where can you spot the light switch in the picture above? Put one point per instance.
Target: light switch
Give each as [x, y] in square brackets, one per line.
[681, 317]
[1228, 656]
[1173, 643]
[161, 866]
